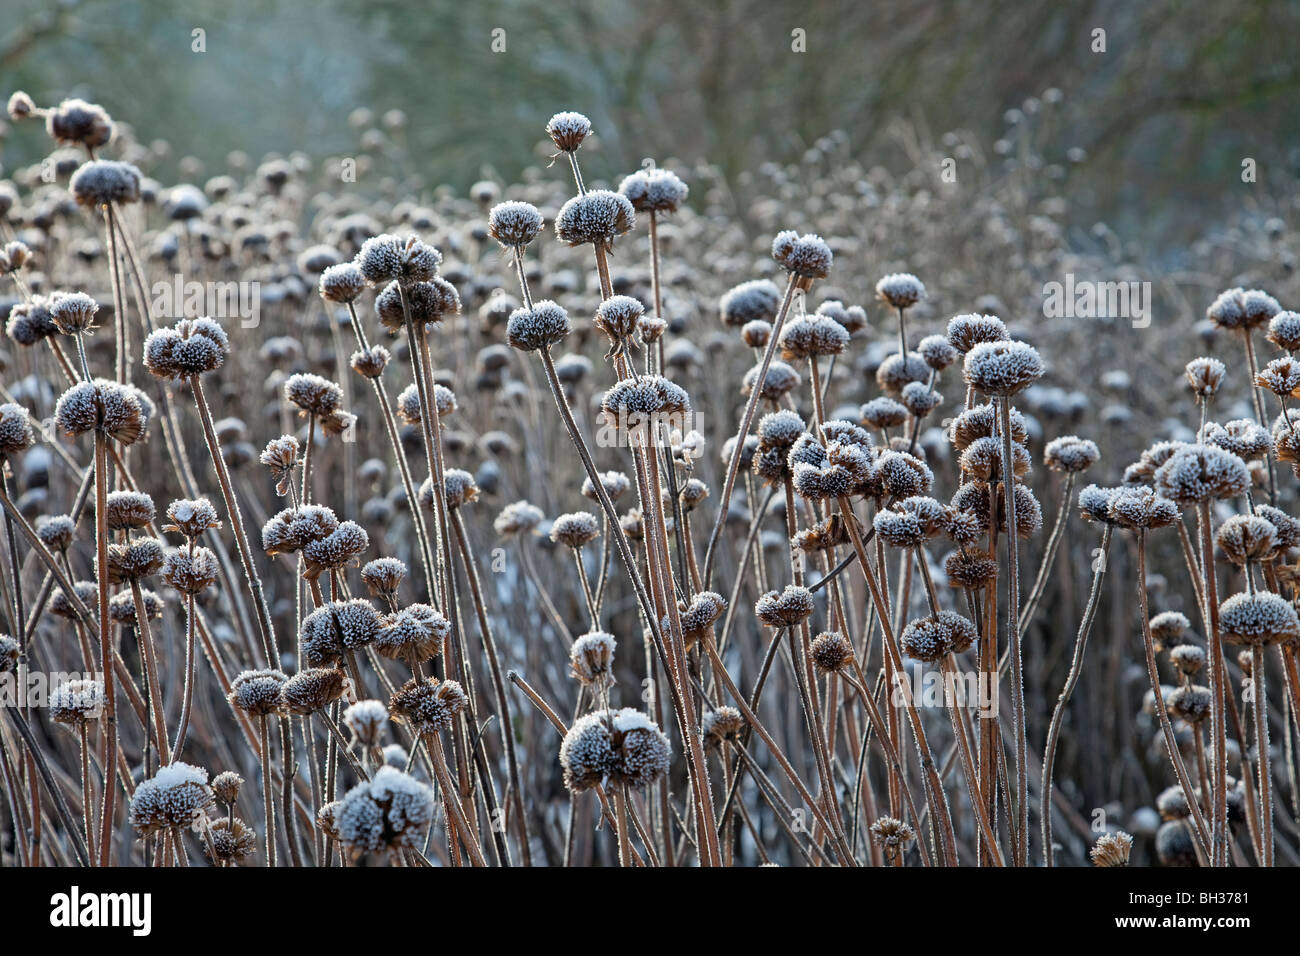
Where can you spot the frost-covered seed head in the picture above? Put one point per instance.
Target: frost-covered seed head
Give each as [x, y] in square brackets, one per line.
[75, 702]
[335, 627]
[967, 331]
[1190, 702]
[313, 689]
[128, 509]
[1111, 849]
[883, 413]
[1242, 309]
[102, 182]
[779, 381]
[591, 659]
[723, 725]
[1284, 330]
[56, 531]
[313, 394]
[1204, 376]
[618, 317]
[190, 347]
[969, 569]
[785, 608]
[811, 336]
[514, 224]
[622, 747]
[76, 122]
[615, 483]
[1199, 473]
[575, 530]
[1281, 376]
[892, 834]
[1142, 509]
[226, 786]
[16, 433]
[342, 283]
[831, 652]
[414, 634]
[370, 362]
[654, 190]
[134, 560]
[389, 813]
[519, 517]
[937, 352]
[1189, 659]
[367, 719]
[567, 130]
[1260, 618]
[340, 547]
[72, 312]
[897, 371]
[1002, 368]
[900, 289]
[175, 797]
[388, 258]
[755, 301]
[540, 327]
[29, 322]
[1242, 437]
[1245, 538]
[807, 256]
[258, 692]
[191, 517]
[1070, 454]
[598, 217]
[231, 841]
[1168, 628]
[428, 706]
[190, 573]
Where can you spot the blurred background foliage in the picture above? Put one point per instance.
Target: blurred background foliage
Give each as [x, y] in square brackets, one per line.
[1165, 116]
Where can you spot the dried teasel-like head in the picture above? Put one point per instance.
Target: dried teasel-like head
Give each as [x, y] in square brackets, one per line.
[519, 517]
[231, 841]
[258, 693]
[805, 257]
[1204, 376]
[929, 638]
[16, 432]
[811, 336]
[1070, 454]
[174, 798]
[72, 312]
[615, 483]
[367, 719]
[1240, 309]
[405, 260]
[1190, 703]
[56, 531]
[1168, 628]
[831, 652]
[1246, 538]
[892, 834]
[191, 517]
[337, 627]
[591, 659]
[622, 746]
[190, 572]
[104, 182]
[134, 559]
[370, 362]
[514, 224]
[1261, 618]
[785, 608]
[226, 786]
[76, 702]
[1111, 849]
[313, 689]
[901, 290]
[970, 569]
[390, 812]
[190, 347]
[1284, 330]
[755, 301]
[654, 190]
[699, 616]
[720, 726]
[967, 331]
[126, 510]
[575, 530]
[597, 217]
[428, 706]
[383, 576]
[414, 634]
[312, 394]
[342, 283]
[537, 328]
[568, 130]
[1194, 474]
[1002, 369]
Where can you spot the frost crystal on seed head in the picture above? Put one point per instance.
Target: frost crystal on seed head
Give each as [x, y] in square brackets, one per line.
[1002, 368]
[753, 301]
[807, 256]
[654, 190]
[616, 746]
[514, 224]
[1259, 618]
[173, 798]
[567, 130]
[390, 812]
[598, 217]
[901, 289]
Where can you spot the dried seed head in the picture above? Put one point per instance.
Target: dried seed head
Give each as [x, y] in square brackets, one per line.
[341, 283]
[1175, 845]
[778, 382]
[75, 702]
[16, 433]
[1189, 659]
[970, 569]
[313, 394]
[72, 312]
[20, 106]
[1205, 375]
[258, 692]
[615, 483]
[1168, 628]
[981, 421]
[1285, 527]
[1142, 509]
[175, 797]
[1245, 538]
[1172, 804]
[631, 401]
[370, 362]
[313, 689]
[618, 746]
[62, 606]
[1002, 369]
[225, 786]
[134, 560]
[785, 608]
[892, 834]
[388, 813]
[967, 331]
[1259, 618]
[367, 719]
[56, 531]
[514, 224]
[1281, 376]
[29, 322]
[460, 486]
[1243, 309]
[1070, 454]
[383, 576]
[9, 652]
[1242, 437]
[937, 352]
[121, 607]
[518, 518]
[1284, 330]
[699, 616]
[900, 289]
[811, 336]
[898, 371]
[75, 122]
[428, 706]
[388, 258]
[591, 659]
[1199, 473]
[1190, 703]
[807, 256]
[598, 217]
[618, 317]
[414, 634]
[1094, 503]
[190, 347]
[335, 627]
[567, 130]
[191, 517]
[883, 413]
[190, 573]
[128, 510]
[103, 182]
[428, 303]
[756, 334]
[340, 547]
[232, 841]
[654, 190]
[929, 638]
[755, 301]
[1111, 849]
[575, 530]
[720, 726]
[831, 652]
[540, 327]
[899, 475]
